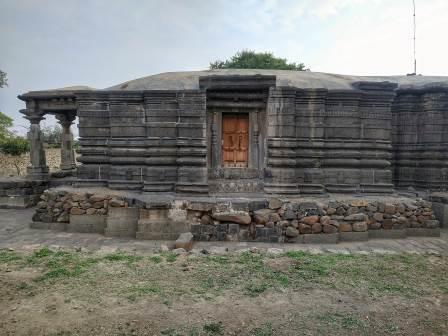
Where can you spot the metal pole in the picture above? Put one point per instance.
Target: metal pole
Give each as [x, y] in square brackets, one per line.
[415, 59]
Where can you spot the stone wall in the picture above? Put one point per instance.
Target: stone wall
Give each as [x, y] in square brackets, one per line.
[420, 138]
[300, 221]
[153, 141]
[19, 193]
[273, 220]
[8, 163]
[58, 205]
[307, 141]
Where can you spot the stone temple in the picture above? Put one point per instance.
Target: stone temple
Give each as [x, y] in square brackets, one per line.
[253, 135]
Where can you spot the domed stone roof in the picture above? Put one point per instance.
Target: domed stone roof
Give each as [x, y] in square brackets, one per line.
[189, 80]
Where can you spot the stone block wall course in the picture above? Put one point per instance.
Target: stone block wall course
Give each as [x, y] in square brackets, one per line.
[271, 220]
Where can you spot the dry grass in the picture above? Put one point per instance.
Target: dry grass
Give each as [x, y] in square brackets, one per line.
[248, 294]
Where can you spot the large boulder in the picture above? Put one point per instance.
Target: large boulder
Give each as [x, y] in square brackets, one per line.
[291, 232]
[275, 203]
[262, 216]
[310, 220]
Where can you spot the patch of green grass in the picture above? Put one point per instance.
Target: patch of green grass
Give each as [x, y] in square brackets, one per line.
[254, 288]
[155, 259]
[264, 330]
[170, 257]
[61, 264]
[120, 256]
[135, 292]
[218, 259]
[213, 328]
[39, 254]
[8, 256]
[340, 320]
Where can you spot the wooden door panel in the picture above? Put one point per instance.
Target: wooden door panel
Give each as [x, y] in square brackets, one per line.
[235, 140]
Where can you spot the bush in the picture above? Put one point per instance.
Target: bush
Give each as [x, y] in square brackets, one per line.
[14, 146]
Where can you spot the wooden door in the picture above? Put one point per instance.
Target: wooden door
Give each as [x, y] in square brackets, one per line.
[235, 140]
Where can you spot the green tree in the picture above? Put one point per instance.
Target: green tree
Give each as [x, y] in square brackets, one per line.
[3, 79]
[52, 135]
[249, 59]
[15, 146]
[5, 123]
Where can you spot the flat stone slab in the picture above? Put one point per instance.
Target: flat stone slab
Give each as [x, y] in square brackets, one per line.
[353, 236]
[387, 234]
[87, 223]
[330, 238]
[423, 232]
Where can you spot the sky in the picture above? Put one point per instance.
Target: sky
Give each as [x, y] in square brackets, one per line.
[47, 44]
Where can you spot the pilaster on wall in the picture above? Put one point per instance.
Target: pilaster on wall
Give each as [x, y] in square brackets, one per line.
[126, 144]
[329, 140]
[192, 143]
[281, 173]
[94, 133]
[161, 116]
[176, 142]
[420, 138]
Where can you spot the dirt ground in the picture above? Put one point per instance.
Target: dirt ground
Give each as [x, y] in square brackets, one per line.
[57, 292]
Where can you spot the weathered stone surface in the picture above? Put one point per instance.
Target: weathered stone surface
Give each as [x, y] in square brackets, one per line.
[356, 217]
[274, 217]
[378, 216]
[389, 209]
[387, 224]
[77, 211]
[275, 203]
[97, 198]
[316, 228]
[291, 232]
[90, 211]
[205, 220]
[432, 224]
[114, 202]
[359, 226]
[359, 203]
[345, 227]
[310, 220]
[327, 228]
[240, 217]
[325, 220]
[304, 228]
[331, 211]
[374, 226]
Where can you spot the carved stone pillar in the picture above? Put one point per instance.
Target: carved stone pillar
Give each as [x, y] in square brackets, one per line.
[38, 168]
[67, 152]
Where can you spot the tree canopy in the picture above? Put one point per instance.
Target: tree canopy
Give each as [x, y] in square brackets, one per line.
[3, 79]
[5, 123]
[249, 59]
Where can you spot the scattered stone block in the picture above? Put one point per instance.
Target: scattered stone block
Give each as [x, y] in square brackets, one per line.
[185, 241]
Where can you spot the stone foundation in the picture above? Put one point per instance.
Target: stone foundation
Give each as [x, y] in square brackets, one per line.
[20, 193]
[262, 220]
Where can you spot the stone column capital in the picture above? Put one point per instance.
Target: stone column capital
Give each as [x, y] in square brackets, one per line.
[65, 119]
[33, 116]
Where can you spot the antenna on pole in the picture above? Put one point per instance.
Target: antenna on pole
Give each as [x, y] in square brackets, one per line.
[415, 59]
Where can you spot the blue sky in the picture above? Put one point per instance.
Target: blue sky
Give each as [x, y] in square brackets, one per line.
[55, 43]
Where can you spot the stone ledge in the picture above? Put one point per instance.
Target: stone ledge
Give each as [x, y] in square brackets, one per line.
[353, 236]
[331, 238]
[48, 226]
[423, 232]
[387, 234]
[87, 223]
